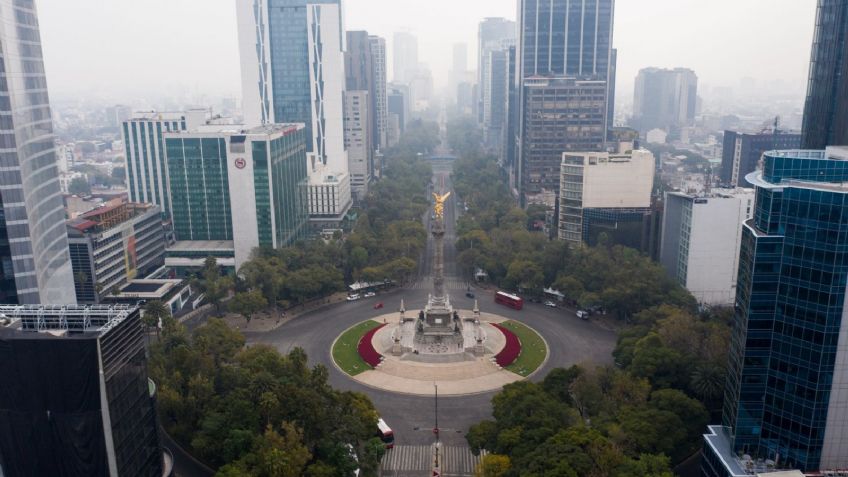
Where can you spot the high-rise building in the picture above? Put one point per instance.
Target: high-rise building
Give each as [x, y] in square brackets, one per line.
[292, 64]
[492, 34]
[357, 141]
[742, 151]
[700, 241]
[247, 187]
[496, 98]
[36, 267]
[397, 102]
[664, 99]
[826, 108]
[113, 244]
[404, 56]
[459, 66]
[381, 112]
[599, 188]
[77, 399]
[547, 131]
[787, 381]
[116, 115]
[563, 53]
[420, 87]
[144, 149]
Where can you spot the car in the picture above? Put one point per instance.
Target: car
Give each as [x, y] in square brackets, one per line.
[378, 305]
[550, 304]
[369, 294]
[469, 295]
[583, 314]
[353, 297]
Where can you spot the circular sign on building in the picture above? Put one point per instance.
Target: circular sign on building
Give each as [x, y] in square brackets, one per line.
[240, 163]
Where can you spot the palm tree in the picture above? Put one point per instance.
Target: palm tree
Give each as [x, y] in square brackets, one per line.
[707, 382]
[153, 313]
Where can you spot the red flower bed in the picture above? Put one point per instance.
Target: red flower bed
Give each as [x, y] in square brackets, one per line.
[511, 350]
[366, 349]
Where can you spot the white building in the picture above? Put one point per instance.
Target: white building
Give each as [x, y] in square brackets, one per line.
[656, 136]
[613, 183]
[357, 132]
[701, 236]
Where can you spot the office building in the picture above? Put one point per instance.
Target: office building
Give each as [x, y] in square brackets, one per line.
[113, 244]
[459, 66]
[358, 141]
[741, 152]
[786, 398]
[506, 155]
[826, 108]
[563, 69]
[144, 147]
[492, 34]
[700, 241]
[292, 64]
[420, 87]
[397, 102]
[36, 267]
[116, 115]
[78, 400]
[360, 77]
[404, 57]
[496, 96]
[381, 112]
[547, 131]
[600, 191]
[247, 187]
[664, 99]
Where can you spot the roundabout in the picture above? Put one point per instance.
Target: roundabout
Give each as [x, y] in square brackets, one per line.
[385, 358]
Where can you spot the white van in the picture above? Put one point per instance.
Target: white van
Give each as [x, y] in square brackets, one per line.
[583, 314]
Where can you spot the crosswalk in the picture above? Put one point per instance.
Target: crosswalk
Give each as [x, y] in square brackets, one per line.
[415, 461]
[451, 283]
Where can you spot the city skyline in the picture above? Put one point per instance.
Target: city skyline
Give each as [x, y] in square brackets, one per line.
[201, 57]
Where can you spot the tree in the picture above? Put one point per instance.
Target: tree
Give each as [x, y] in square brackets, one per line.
[79, 186]
[153, 314]
[274, 454]
[119, 173]
[247, 304]
[492, 465]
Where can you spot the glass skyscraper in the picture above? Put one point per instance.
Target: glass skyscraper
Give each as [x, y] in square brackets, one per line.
[35, 265]
[786, 397]
[826, 109]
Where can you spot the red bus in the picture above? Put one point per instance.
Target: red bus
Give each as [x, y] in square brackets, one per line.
[384, 432]
[510, 300]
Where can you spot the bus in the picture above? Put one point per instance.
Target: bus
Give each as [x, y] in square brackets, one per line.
[384, 432]
[508, 299]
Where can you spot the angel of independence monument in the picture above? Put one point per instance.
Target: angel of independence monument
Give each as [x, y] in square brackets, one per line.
[438, 329]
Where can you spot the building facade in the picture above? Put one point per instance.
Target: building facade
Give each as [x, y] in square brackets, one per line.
[492, 34]
[36, 267]
[404, 56]
[664, 99]
[559, 115]
[826, 108]
[741, 152]
[113, 244]
[82, 400]
[358, 141]
[700, 241]
[496, 112]
[785, 398]
[598, 186]
[144, 149]
[397, 101]
[245, 186]
[380, 100]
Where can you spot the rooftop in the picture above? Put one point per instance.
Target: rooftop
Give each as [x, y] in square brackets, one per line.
[197, 245]
[59, 320]
[108, 215]
[148, 289]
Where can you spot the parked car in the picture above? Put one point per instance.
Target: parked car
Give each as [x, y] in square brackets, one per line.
[378, 305]
[550, 304]
[369, 294]
[353, 297]
[583, 314]
[469, 295]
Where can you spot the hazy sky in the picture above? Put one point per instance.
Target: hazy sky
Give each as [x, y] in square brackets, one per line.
[134, 48]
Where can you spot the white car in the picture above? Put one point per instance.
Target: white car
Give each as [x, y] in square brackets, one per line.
[550, 304]
[353, 297]
[369, 294]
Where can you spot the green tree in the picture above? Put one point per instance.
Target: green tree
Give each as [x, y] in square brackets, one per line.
[274, 454]
[247, 304]
[492, 465]
[153, 314]
[79, 186]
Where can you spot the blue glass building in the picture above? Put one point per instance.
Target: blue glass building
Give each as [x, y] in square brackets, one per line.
[786, 398]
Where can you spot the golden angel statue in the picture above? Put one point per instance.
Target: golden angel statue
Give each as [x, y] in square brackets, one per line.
[439, 208]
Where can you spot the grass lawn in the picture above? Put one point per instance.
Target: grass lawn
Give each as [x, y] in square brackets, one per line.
[533, 349]
[345, 353]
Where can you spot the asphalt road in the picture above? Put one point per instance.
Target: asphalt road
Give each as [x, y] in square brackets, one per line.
[570, 341]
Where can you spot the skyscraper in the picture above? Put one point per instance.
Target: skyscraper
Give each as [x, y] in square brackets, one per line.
[381, 113]
[787, 381]
[496, 112]
[404, 57]
[36, 266]
[741, 152]
[664, 99]
[492, 34]
[826, 109]
[292, 64]
[360, 109]
[563, 45]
